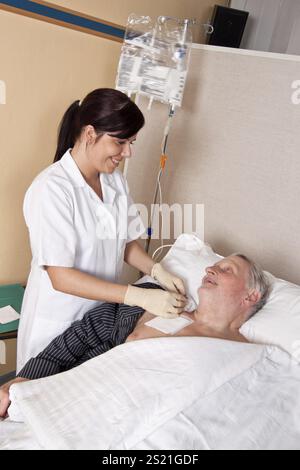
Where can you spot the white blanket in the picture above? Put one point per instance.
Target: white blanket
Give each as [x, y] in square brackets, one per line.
[165, 393]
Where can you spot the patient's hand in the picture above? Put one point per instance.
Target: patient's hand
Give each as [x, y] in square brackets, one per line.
[4, 396]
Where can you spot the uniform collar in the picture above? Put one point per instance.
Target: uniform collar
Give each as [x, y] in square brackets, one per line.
[108, 188]
[78, 181]
[69, 165]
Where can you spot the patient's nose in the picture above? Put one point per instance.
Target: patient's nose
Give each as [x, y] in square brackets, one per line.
[211, 270]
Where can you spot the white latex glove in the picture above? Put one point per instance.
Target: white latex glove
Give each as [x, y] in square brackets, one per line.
[167, 280]
[158, 302]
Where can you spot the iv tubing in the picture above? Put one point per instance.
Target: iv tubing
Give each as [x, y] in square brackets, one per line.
[162, 167]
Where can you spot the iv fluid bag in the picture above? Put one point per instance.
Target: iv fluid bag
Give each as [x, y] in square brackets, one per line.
[138, 36]
[155, 58]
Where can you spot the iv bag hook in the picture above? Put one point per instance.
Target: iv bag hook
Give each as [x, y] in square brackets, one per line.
[209, 29]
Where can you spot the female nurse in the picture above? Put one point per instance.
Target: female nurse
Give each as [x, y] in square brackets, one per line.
[82, 226]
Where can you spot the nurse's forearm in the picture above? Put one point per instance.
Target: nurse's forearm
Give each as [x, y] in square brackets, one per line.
[74, 282]
[136, 257]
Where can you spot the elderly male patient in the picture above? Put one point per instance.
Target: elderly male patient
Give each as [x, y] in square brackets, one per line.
[232, 291]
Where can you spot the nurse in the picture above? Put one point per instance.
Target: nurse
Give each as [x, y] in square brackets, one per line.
[83, 224]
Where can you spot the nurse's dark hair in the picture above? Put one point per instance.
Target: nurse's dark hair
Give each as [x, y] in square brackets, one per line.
[109, 111]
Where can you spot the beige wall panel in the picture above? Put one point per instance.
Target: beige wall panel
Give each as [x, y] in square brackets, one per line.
[234, 147]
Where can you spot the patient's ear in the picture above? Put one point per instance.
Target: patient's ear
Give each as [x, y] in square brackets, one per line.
[253, 297]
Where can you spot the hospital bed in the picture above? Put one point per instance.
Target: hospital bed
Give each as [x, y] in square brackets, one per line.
[174, 393]
[237, 153]
[179, 393]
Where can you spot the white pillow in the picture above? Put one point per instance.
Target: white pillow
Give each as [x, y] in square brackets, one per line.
[278, 323]
[188, 258]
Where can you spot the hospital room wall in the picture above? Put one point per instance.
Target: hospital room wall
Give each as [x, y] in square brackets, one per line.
[45, 67]
[234, 147]
[117, 11]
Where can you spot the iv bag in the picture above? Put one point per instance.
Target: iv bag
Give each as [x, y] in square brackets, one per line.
[155, 58]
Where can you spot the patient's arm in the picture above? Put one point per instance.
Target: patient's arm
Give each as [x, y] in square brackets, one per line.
[87, 338]
[66, 350]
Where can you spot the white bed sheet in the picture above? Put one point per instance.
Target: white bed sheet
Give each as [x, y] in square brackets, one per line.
[165, 393]
[17, 436]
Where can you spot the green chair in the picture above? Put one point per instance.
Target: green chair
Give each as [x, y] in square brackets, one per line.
[11, 295]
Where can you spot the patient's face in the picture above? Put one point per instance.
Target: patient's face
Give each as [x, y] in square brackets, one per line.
[225, 286]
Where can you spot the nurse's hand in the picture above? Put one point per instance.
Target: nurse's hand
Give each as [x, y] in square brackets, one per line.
[167, 280]
[4, 396]
[158, 302]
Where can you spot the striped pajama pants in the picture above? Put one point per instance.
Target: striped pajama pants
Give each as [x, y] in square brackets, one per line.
[100, 330]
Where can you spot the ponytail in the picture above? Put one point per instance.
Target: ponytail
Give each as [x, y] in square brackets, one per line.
[68, 130]
[107, 110]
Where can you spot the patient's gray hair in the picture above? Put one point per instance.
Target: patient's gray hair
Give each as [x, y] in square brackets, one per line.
[257, 281]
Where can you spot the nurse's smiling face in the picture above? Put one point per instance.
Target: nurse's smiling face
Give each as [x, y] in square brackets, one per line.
[107, 152]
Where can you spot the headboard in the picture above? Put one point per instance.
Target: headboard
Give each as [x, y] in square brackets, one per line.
[235, 147]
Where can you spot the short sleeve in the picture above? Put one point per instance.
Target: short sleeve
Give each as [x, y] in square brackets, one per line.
[50, 218]
[136, 227]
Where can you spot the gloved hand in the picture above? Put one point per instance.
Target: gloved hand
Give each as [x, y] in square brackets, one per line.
[167, 280]
[158, 302]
